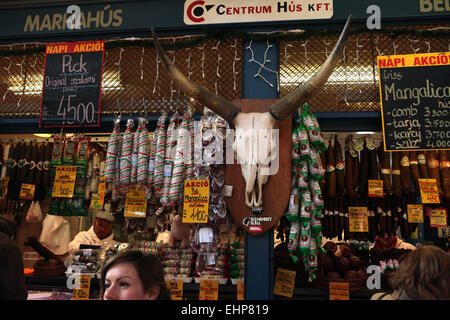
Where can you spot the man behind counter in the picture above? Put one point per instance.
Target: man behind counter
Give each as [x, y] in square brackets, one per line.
[101, 232]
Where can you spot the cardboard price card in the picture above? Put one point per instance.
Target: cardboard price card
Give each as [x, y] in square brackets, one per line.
[438, 217]
[339, 291]
[209, 290]
[240, 290]
[82, 293]
[376, 188]
[101, 190]
[176, 289]
[196, 201]
[135, 204]
[27, 191]
[284, 282]
[415, 213]
[358, 219]
[65, 178]
[429, 191]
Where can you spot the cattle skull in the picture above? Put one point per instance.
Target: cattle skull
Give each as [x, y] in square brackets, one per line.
[254, 145]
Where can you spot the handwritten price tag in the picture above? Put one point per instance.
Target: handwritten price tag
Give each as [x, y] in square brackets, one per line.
[339, 291]
[135, 204]
[27, 191]
[429, 191]
[284, 282]
[82, 293]
[240, 290]
[358, 219]
[438, 217]
[209, 290]
[415, 213]
[176, 289]
[196, 201]
[376, 188]
[64, 185]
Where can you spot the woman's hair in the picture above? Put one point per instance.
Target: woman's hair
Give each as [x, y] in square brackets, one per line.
[424, 274]
[148, 267]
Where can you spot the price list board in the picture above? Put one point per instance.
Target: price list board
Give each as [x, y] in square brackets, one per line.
[71, 90]
[415, 101]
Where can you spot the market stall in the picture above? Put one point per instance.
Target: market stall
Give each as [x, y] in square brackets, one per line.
[172, 145]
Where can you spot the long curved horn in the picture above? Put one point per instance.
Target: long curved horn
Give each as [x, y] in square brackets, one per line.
[219, 105]
[285, 106]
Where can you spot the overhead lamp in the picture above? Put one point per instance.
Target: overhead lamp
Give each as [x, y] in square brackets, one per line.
[42, 135]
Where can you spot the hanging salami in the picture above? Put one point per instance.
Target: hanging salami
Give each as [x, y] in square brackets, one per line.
[125, 158]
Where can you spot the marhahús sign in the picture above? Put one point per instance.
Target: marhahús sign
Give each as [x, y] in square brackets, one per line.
[71, 91]
[234, 11]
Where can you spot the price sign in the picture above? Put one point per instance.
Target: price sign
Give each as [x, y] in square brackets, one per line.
[358, 219]
[64, 185]
[339, 291]
[82, 293]
[196, 201]
[135, 204]
[376, 188]
[101, 190]
[415, 213]
[240, 290]
[438, 217]
[209, 290]
[72, 84]
[415, 109]
[95, 201]
[176, 289]
[27, 191]
[429, 191]
[284, 282]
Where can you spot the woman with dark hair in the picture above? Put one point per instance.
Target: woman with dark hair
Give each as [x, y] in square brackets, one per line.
[132, 275]
[424, 274]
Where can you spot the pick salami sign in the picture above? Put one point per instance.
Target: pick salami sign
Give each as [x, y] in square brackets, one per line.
[72, 84]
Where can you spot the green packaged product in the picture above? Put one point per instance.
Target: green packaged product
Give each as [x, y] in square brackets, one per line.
[306, 206]
[57, 150]
[293, 237]
[305, 236]
[305, 150]
[303, 176]
[294, 203]
[69, 152]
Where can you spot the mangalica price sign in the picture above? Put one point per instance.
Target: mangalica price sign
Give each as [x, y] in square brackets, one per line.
[429, 191]
[358, 219]
[438, 217]
[415, 213]
[375, 188]
[284, 282]
[71, 91]
[209, 290]
[64, 185]
[196, 201]
[415, 104]
[135, 204]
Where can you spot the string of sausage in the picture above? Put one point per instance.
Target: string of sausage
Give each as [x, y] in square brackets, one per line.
[444, 164]
[385, 174]
[159, 155]
[143, 152]
[181, 154]
[377, 211]
[125, 158]
[169, 160]
[340, 185]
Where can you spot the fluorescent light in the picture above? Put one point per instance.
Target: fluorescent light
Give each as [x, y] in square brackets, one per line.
[365, 132]
[42, 135]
